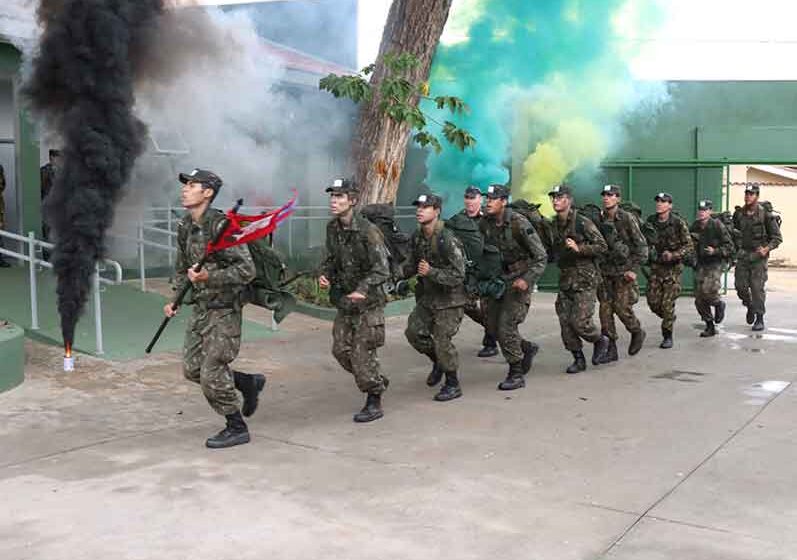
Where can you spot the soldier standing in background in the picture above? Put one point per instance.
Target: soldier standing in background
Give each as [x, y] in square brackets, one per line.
[47, 173]
[523, 259]
[713, 248]
[439, 261]
[355, 271]
[619, 291]
[668, 247]
[576, 244]
[760, 233]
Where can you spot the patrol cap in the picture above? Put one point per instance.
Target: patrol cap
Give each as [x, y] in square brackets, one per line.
[752, 188]
[207, 178]
[663, 196]
[342, 186]
[472, 192]
[561, 190]
[705, 205]
[497, 191]
[611, 189]
[428, 200]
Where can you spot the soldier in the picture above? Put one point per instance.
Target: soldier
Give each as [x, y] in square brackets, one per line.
[47, 174]
[668, 247]
[760, 234]
[476, 306]
[213, 333]
[713, 246]
[619, 291]
[576, 244]
[523, 260]
[3, 262]
[439, 261]
[355, 271]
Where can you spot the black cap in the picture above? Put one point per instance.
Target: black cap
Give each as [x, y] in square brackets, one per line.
[611, 189]
[497, 191]
[428, 200]
[561, 190]
[664, 197]
[207, 178]
[705, 205]
[472, 192]
[752, 188]
[342, 186]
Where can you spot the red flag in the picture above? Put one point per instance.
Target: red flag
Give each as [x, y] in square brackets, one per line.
[243, 229]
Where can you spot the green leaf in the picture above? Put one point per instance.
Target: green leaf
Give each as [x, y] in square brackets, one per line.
[458, 137]
[400, 63]
[453, 104]
[355, 88]
[368, 70]
[424, 139]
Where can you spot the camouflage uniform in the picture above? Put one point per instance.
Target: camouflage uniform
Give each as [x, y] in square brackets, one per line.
[475, 305]
[664, 283]
[213, 333]
[758, 229]
[617, 295]
[357, 261]
[578, 280]
[709, 269]
[439, 296]
[522, 256]
[47, 175]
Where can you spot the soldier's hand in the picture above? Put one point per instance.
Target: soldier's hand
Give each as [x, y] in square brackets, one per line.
[572, 245]
[195, 277]
[710, 250]
[520, 285]
[356, 296]
[424, 268]
[763, 251]
[629, 275]
[323, 282]
[666, 256]
[169, 310]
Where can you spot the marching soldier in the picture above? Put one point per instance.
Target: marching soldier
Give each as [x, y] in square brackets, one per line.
[577, 242]
[439, 261]
[355, 271]
[668, 247]
[523, 259]
[713, 247]
[760, 234]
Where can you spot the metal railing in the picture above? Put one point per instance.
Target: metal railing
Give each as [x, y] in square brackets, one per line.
[33, 262]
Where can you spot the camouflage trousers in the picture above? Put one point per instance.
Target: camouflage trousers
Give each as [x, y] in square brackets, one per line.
[212, 341]
[476, 309]
[355, 339]
[503, 318]
[664, 287]
[750, 279]
[431, 332]
[708, 283]
[575, 309]
[617, 296]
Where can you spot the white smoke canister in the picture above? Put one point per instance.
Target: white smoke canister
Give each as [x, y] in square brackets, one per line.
[69, 363]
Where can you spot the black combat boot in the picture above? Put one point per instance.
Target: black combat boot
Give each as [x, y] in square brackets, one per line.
[637, 339]
[759, 322]
[434, 376]
[667, 338]
[601, 351]
[450, 389]
[579, 363]
[490, 347]
[709, 330]
[611, 353]
[719, 312]
[250, 386]
[236, 433]
[750, 316]
[514, 378]
[372, 409]
[529, 351]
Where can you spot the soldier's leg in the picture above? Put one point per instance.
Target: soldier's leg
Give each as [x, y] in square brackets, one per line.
[445, 327]
[626, 295]
[221, 341]
[192, 346]
[342, 340]
[703, 293]
[565, 309]
[475, 310]
[654, 293]
[583, 311]
[671, 289]
[606, 309]
[741, 281]
[514, 307]
[758, 281]
[419, 331]
[368, 334]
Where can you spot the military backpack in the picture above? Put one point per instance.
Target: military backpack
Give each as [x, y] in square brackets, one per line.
[397, 242]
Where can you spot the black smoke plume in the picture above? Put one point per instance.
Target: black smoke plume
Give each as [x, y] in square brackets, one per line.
[82, 85]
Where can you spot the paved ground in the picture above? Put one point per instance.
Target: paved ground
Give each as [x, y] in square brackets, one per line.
[681, 454]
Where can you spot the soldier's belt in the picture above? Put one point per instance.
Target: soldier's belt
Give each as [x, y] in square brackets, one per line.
[211, 305]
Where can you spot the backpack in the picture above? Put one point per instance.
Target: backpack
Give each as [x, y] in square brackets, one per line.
[618, 252]
[397, 242]
[726, 219]
[541, 224]
[266, 288]
[483, 261]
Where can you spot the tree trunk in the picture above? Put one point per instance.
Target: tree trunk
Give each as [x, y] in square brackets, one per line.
[380, 144]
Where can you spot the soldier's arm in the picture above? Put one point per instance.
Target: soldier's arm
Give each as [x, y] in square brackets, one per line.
[594, 244]
[327, 266]
[377, 255]
[239, 271]
[453, 272]
[181, 265]
[639, 246]
[538, 257]
[775, 236]
[685, 245]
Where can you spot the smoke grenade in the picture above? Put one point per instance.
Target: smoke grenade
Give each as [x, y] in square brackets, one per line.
[81, 85]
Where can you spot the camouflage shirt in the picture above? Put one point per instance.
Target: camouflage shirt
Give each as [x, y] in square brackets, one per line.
[714, 234]
[670, 235]
[356, 261]
[630, 235]
[522, 253]
[443, 286]
[578, 270]
[758, 228]
[229, 270]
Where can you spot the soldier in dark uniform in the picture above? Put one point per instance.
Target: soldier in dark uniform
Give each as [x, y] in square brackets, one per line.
[713, 248]
[760, 233]
[577, 243]
[355, 270]
[438, 259]
[47, 173]
[523, 259]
